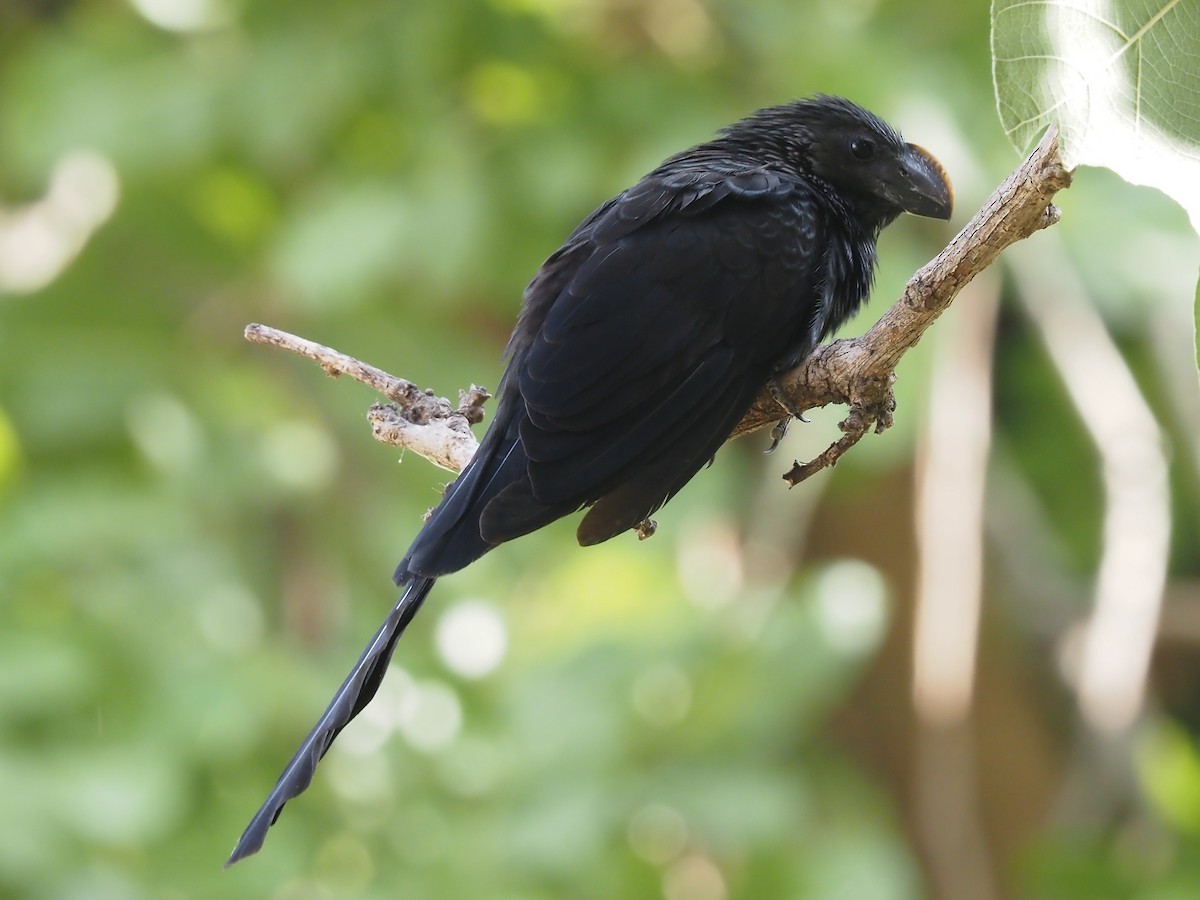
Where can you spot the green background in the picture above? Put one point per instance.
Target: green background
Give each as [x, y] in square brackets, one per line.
[197, 534]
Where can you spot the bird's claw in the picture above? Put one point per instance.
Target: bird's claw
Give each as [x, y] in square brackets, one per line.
[781, 427]
[778, 431]
[778, 395]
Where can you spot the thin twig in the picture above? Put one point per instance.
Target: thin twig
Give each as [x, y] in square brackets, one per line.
[335, 363]
[417, 420]
[853, 427]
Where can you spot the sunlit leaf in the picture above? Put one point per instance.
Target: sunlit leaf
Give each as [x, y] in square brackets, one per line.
[1168, 767]
[1120, 77]
[10, 449]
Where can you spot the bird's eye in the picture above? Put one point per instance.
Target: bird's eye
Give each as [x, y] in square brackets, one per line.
[862, 148]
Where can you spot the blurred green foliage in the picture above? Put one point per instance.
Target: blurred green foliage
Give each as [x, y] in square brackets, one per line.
[196, 534]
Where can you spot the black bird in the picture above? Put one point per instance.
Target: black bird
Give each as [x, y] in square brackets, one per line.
[644, 339]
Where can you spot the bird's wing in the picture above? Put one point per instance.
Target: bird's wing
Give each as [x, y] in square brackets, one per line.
[649, 353]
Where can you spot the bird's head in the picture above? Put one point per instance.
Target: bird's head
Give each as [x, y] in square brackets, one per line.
[862, 157]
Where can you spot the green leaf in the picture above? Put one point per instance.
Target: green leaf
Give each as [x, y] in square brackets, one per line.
[1168, 768]
[1120, 77]
[1196, 327]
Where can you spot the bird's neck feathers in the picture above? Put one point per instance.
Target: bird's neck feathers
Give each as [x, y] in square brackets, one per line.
[850, 251]
[850, 266]
[862, 211]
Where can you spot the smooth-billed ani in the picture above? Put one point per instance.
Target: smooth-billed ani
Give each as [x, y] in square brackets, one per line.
[644, 339]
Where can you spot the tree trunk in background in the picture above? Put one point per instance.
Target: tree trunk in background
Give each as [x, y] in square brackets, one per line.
[970, 797]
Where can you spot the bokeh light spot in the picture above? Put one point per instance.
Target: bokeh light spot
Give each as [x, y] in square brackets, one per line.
[505, 94]
[471, 639]
[662, 695]
[164, 430]
[851, 608]
[184, 15]
[394, 702]
[344, 865]
[233, 205]
[230, 618]
[434, 721]
[39, 240]
[657, 833]
[694, 878]
[299, 455]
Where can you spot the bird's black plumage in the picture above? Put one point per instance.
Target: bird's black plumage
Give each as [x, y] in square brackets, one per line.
[643, 340]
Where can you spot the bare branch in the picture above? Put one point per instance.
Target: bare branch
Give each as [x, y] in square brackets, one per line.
[853, 427]
[336, 364]
[417, 420]
[445, 441]
[857, 372]
[860, 372]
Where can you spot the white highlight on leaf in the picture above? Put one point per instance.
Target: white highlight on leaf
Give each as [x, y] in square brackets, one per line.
[1122, 79]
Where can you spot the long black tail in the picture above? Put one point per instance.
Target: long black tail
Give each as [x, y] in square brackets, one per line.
[355, 693]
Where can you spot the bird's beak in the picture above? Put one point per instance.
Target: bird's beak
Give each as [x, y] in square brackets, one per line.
[920, 184]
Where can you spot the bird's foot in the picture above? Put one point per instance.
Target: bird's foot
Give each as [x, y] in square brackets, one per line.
[781, 427]
[783, 400]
